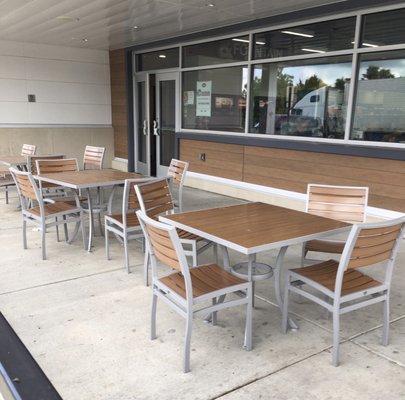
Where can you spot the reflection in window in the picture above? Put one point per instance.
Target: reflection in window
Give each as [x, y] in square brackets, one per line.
[217, 52]
[167, 58]
[306, 39]
[301, 98]
[215, 99]
[382, 29]
[379, 113]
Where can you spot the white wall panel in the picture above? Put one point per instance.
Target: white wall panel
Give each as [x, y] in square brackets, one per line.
[71, 85]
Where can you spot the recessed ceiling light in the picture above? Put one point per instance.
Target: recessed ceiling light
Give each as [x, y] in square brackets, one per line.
[135, 27]
[240, 40]
[210, 5]
[85, 40]
[308, 35]
[261, 43]
[162, 56]
[314, 51]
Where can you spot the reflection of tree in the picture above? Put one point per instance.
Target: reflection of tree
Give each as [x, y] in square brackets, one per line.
[283, 82]
[375, 72]
[340, 83]
[310, 84]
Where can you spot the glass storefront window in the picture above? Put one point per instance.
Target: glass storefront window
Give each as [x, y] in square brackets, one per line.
[167, 58]
[381, 29]
[301, 98]
[379, 113]
[215, 99]
[306, 39]
[218, 52]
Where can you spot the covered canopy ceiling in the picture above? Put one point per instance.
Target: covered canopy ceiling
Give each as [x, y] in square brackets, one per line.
[110, 24]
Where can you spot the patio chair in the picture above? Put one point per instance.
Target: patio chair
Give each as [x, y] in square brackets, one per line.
[28, 149]
[344, 203]
[189, 287]
[93, 159]
[47, 212]
[6, 181]
[346, 288]
[177, 172]
[125, 225]
[155, 199]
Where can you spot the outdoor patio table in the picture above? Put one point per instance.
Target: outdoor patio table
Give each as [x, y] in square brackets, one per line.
[13, 161]
[86, 180]
[256, 227]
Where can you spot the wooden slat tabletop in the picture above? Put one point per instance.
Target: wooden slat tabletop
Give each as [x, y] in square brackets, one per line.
[10, 161]
[88, 178]
[253, 227]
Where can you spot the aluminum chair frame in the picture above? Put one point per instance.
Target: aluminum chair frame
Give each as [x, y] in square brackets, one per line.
[72, 215]
[304, 251]
[380, 293]
[176, 168]
[186, 306]
[193, 251]
[122, 230]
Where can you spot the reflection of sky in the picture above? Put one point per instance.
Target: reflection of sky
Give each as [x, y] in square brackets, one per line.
[328, 73]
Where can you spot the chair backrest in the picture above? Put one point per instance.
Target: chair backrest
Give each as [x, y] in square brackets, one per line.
[177, 171]
[130, 203]
[27, 188]
[31, 161]
[373, 243]
[155, 198]
[343, 203]
[163, 244]
[49, 166]
[28, 149]
[93, 157]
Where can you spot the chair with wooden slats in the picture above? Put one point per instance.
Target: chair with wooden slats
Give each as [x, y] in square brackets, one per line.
[177, 174]
[93, 157]
[46, 214]
[188, 288]
[6, 182]
[344, 203]
[125, 225]
[28, 149]
[155, 199]
[344, 285]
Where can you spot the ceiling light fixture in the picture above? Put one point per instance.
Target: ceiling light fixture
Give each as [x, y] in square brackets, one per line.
[307, 35]
[85, 40]
[135, 27]
[240, 40]
[210, 5]
[314, 51]
[162, 56]
[370, 45]
[261, 43]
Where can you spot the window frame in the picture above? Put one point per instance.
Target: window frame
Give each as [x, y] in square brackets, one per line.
[354, 52]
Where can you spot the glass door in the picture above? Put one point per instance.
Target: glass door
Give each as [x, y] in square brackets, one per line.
[166, 122]
[142, 125]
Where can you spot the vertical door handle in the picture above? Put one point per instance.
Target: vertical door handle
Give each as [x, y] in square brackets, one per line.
[145, 127]
[155, 128]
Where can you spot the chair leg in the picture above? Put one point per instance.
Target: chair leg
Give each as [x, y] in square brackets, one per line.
[304, 252]
[187, 341]
[6, 194]
[146, 268]
[65, 229]
[284, 320]
[100, 224]
[336, 329]
[57, 230]
[107, 242]
[126, 252]
[386, 321]
[83, 229]
[215, 248]
[153, 317]
[248, 328]
[214, 314]
[194, 247]
[43, 242]
[24, 230]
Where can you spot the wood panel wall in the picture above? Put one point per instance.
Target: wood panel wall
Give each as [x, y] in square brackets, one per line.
[293, 170]
[119, 102]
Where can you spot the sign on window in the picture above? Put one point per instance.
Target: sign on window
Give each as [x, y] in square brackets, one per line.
[203, 99]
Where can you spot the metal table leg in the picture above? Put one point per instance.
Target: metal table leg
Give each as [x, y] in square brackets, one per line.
[91, 221]
[277, 284]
